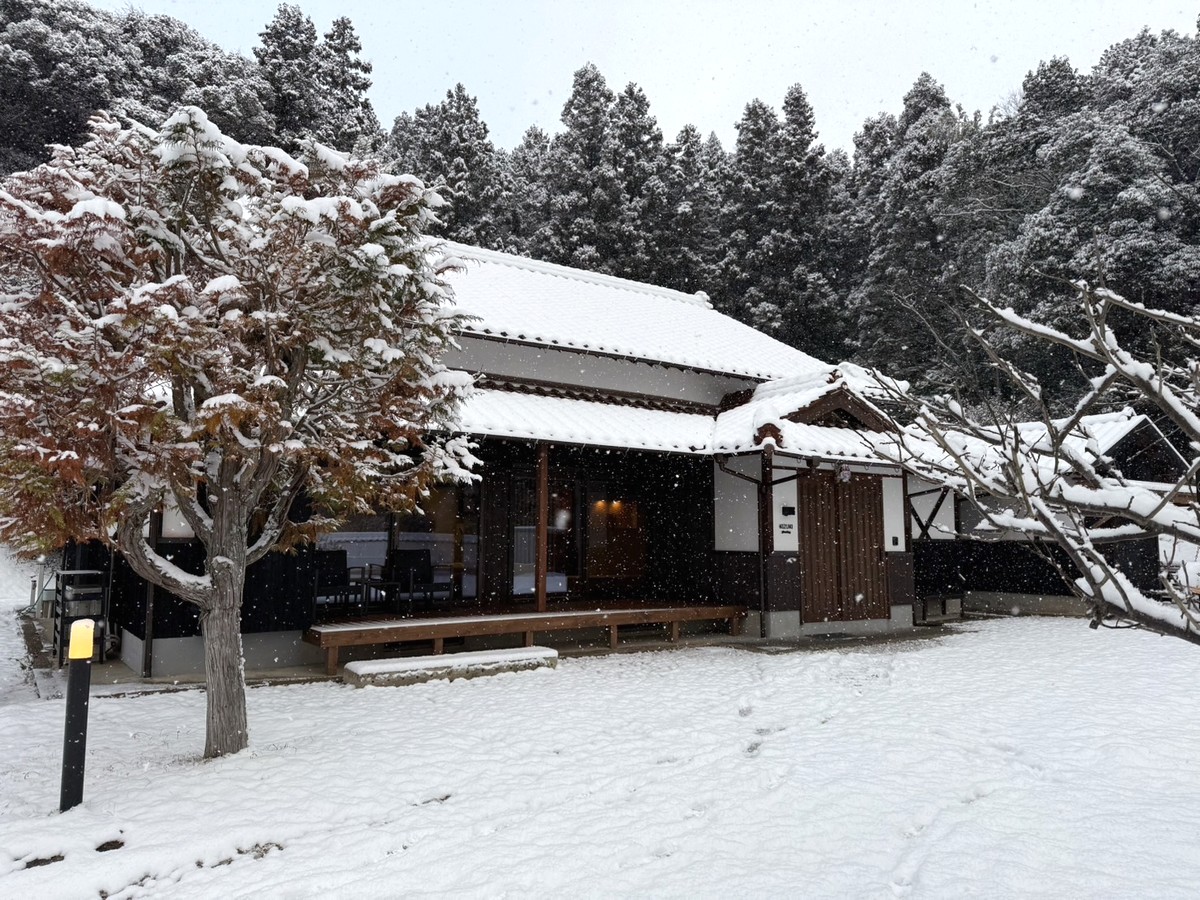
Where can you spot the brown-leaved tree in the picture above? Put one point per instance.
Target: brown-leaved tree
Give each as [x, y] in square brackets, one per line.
[224, 327]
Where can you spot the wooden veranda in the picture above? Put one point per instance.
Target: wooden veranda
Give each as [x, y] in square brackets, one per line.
[332, 636]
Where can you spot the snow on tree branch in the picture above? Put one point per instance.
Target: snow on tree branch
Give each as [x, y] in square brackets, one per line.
[226, 325]
[1050, 478]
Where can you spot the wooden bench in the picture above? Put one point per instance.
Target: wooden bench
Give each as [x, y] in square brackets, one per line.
[332, 637]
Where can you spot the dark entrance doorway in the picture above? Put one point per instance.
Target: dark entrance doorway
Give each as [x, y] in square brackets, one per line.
[842, 571]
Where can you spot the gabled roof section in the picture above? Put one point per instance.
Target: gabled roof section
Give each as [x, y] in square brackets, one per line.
[1149, 457]
[519, 299]
[820, 414]
[1093, 438]
[1098, 435]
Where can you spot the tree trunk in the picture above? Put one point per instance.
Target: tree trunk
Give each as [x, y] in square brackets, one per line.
[224, 669]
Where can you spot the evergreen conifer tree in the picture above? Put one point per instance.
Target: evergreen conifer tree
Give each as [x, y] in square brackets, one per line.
[526, 210]
[747, 218]
[447, 143]
[348, 120]
[904, 294]
[692, 237]
[291, 64]
[584, 186]
[641, 164]
[59, 62]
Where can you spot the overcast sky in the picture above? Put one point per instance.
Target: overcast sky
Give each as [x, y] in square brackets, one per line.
[699, 61]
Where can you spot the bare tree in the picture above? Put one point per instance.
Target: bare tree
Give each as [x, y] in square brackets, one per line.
[1050, 480]
[184, 318]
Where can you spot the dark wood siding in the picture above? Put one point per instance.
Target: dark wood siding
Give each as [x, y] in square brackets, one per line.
[817, 499]
[860, 545]
[843, 572]
[1018, 567]
[738, 578]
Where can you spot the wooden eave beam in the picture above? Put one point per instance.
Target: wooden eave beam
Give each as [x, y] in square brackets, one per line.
[541, 561]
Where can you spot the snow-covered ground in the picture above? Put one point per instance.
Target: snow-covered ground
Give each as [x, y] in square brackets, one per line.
[1015, 758]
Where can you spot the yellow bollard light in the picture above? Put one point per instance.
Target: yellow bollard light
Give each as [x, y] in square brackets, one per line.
[83, 632]
[79, 679]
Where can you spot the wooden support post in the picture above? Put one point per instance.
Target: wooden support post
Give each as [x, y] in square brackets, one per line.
[439, 646]
[541, 563]
[674, 630]
[612, 637]
[529, 639]
[735, 625]
[766, 534]
[331, 655]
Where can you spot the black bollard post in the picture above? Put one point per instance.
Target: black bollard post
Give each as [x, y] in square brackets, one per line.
[79, 681]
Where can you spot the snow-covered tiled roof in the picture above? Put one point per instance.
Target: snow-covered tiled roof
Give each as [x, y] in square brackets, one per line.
[735, 431]
[773, 401]
[565, 420]
[1093, 437]
[522, 299]
[1105, 429]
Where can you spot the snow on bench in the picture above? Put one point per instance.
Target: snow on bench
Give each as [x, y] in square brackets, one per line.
[417, 669]
[364, 632]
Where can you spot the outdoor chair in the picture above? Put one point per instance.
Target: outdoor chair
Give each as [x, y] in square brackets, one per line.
[410, 574]
[332, 586]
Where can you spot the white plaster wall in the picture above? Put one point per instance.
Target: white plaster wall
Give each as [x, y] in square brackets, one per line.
[565, 367]
[787, 528]
[893, 515]
[735, 505]
[943, 527]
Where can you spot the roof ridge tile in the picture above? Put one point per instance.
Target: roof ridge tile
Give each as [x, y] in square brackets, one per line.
[541, 267]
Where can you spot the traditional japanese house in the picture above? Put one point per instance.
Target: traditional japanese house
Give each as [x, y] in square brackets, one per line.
[641, 452]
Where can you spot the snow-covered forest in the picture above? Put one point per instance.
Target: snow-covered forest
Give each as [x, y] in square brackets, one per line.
[1083, 174]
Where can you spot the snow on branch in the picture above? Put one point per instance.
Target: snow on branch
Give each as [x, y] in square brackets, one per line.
[1052, 478]
[183, 315]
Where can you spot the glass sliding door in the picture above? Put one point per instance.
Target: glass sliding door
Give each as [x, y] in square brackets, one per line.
[562, 537]
[616, 543]
[447, 529]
